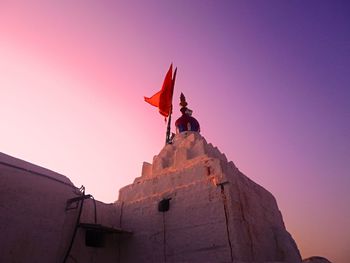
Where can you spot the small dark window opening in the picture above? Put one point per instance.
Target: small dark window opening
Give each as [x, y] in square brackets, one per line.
[94, 238]
[164, 205]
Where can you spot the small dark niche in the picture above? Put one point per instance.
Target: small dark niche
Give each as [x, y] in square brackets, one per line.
[164, 205]
[94, 238]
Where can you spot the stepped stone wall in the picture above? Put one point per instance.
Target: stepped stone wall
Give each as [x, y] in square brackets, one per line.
[216, 213]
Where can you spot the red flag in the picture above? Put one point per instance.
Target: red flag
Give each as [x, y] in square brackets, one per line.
[163, 98]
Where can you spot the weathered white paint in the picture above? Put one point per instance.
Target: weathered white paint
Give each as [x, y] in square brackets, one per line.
[216, 213]
[34, 225]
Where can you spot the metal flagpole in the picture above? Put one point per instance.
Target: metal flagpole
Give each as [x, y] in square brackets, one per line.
[168, 139]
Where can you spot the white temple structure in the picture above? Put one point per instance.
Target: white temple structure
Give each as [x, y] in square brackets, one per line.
[190, 205]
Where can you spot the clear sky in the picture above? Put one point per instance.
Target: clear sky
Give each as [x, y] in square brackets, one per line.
[269, 82]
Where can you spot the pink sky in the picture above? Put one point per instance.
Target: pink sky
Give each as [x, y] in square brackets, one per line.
[268, 82]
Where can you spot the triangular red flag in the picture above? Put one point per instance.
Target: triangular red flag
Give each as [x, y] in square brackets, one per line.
[163, 98]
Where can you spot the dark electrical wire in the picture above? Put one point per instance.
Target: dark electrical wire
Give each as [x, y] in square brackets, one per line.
[82, 190]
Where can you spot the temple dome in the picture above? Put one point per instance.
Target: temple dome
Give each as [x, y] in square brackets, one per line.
[186, 122]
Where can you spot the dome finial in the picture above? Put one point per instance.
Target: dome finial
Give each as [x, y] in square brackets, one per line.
[183, 102]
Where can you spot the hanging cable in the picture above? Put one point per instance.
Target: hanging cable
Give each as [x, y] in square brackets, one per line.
[82, 190]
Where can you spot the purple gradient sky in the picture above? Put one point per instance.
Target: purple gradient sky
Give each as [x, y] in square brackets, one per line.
[269, 82]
